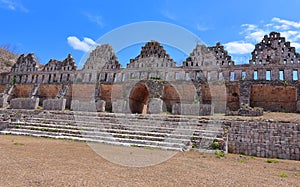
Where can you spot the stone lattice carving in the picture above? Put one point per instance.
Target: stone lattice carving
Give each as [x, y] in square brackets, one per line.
[221, 55]
[26, 64]
[273, 49]
[102, 58]
[152, 55]
[203, 56]
[55, 65]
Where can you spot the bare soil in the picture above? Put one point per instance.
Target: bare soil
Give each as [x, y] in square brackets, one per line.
[28, 161]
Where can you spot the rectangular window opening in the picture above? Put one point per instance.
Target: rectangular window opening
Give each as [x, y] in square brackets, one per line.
[255, 75]
[268, 75]
[244, 75]
[295, 75]
[231, 75]
[281, 75]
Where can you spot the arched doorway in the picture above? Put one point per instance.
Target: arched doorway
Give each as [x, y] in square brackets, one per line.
[170, 97]
[138, 98]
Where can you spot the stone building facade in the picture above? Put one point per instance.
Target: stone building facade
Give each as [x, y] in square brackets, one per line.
[207, 81]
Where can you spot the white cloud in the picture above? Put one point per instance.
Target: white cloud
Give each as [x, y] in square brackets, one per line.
[13, 5]
[296, 45]
[239, 47]
[256, 35]
[84, 45]
[249, 27]
[285, 24]
[95, 18]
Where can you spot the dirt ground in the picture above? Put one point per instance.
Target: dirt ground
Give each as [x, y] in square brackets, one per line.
[28, 161]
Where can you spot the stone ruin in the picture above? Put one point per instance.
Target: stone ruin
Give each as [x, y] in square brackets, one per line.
[208, 81]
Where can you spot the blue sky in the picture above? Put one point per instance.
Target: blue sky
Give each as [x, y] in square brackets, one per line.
[52, 29]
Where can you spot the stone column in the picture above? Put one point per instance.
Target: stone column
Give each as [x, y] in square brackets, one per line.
[274, 74]
[245, 93]
[288, 74]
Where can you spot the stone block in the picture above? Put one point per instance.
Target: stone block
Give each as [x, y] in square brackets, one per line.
[206, 110]
[24, 103]
[54, 104]
[155, 106]
[190, 109]
[120, 106]
[176, 109]
[77, 105]
[100, 105]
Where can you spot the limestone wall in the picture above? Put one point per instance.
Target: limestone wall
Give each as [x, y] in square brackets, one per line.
[48, 91]
[274, 98]
[265, 139]
[22, 90]
[83, 92]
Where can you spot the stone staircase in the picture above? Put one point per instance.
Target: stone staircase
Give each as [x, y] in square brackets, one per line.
[169, 132]
[34, 91]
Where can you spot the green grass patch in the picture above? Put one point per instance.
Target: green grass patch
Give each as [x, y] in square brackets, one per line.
[283, 175]
[219, 154]
[18, 143]
[272, 160]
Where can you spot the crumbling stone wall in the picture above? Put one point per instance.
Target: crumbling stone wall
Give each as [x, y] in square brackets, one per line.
[264, 139]
[208, 68]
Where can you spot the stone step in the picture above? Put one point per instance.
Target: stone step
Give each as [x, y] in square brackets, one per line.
[131, 117]
[112, 128]
[173, 136]
[103, 139]
[166, 132]
[89, 140]
[156, 126]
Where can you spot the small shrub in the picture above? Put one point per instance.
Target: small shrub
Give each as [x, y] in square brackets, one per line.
[194, 146]
[219, 154]
[241, 160]
[283, 175]
[215, 145]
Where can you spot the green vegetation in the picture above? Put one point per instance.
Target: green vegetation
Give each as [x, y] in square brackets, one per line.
[18, 143]
[283, 175]
[219, 154]
[8, 63]
[13, 82]
[272, 160]
[215, 145]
